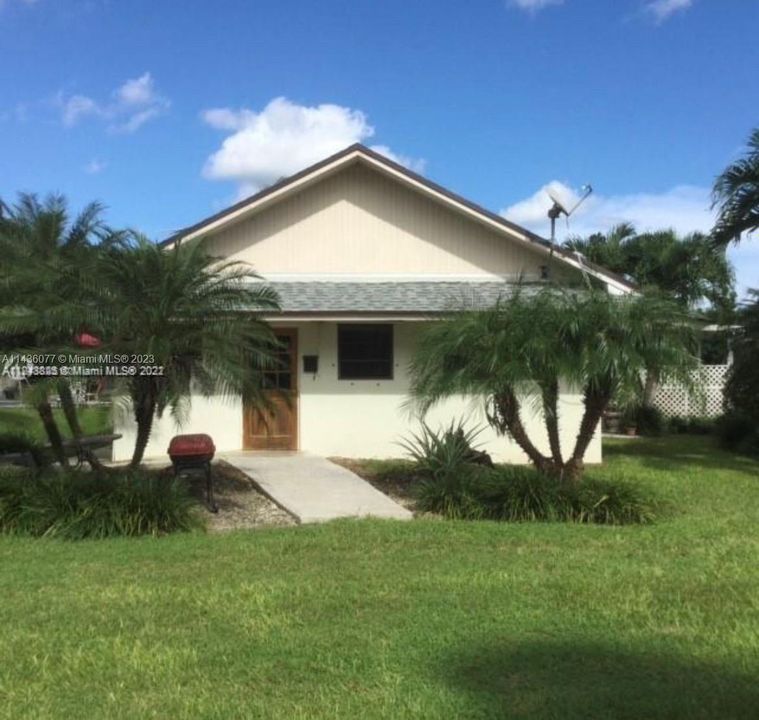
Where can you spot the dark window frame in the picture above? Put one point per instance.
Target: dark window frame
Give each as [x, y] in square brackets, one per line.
[344, 328]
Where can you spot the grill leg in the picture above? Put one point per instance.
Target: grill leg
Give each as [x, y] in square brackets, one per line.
[212, 506]
[179, 468]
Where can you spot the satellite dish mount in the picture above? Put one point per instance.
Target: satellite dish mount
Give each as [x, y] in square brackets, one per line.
[558, 209]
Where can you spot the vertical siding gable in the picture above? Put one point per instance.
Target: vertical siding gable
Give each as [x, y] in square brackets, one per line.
[361, 221]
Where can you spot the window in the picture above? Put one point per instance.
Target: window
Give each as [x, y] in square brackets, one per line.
[365, 352]
[279, 376]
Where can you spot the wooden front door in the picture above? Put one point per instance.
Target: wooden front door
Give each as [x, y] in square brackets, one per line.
[276, 428]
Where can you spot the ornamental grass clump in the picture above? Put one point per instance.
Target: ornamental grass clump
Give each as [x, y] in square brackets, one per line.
[76, 505]
[613, 502]
[454, 486]
[457, 496]
[521, 494]
[440, 454]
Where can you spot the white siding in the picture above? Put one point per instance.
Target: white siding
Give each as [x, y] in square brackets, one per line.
[358, 221]
[219, 417]
[355, 418]
[367, 418]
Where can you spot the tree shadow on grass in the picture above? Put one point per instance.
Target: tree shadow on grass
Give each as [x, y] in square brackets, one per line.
[673, 453]
[542, 680]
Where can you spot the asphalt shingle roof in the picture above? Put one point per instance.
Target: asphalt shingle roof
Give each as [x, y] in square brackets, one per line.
[404, 297]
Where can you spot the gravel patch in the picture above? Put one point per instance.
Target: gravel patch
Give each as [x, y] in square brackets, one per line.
[241, 504]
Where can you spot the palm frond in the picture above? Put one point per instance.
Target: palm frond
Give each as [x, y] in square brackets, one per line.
[736, 196]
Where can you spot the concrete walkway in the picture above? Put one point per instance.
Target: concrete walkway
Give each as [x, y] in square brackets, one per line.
[312, 488]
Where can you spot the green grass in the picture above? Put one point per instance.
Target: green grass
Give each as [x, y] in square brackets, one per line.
[428, 619]
[94, 421]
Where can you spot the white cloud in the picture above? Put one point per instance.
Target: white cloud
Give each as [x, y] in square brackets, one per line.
[76, 107]
[282, 139]
[95, 167]
[137, 120]
[134, 103]
[685, 208]
[661, 10]
[226, 119]
[533, 6]
[140, 91]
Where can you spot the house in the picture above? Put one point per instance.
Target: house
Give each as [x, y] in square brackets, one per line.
[363, 253]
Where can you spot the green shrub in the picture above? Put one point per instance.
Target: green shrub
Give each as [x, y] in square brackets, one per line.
[649, 421]
[440, 455]
[702, 426]
[521, 494]
[692, 425]
[629, 419]
[456, 486]
[458, 495]
[76, 504]
[677, 425]
[611, 502]
[17, 442]
[738, 432]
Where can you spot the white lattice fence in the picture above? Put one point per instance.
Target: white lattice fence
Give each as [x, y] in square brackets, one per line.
[674, 400]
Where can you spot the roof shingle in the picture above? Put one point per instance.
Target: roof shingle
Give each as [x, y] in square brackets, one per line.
[373, 297]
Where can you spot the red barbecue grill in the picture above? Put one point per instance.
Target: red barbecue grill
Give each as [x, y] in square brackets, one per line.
[193, 453]
[85, 340]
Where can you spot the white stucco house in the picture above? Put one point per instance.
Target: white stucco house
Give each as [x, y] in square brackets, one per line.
[363, 253]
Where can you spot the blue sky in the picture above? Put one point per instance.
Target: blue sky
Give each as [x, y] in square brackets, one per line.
[169, 111]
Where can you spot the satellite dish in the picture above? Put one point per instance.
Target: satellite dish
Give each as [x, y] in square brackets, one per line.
[558, 203]
[559, 208]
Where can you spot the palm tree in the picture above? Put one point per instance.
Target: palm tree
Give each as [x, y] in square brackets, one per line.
[194, 315]
[45, 256]
[517, 352]
[736, 195]
[607, 250]
[691, 269]
[742, 387]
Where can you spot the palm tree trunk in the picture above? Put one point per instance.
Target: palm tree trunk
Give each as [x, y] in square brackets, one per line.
[507, 418]
[550, 393]
[52, 431]
[649, 389]
[596, 401]
[144, 409]
[69, 410]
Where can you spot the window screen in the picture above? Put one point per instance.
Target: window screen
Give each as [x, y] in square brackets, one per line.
[365, 352]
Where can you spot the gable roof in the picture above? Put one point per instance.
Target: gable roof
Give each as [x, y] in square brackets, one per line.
[361, 153]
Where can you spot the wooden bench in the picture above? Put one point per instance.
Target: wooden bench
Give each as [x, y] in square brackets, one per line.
[79, 448]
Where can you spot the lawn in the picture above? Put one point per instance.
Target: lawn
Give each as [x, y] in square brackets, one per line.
[94, 421]
[427, 619]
